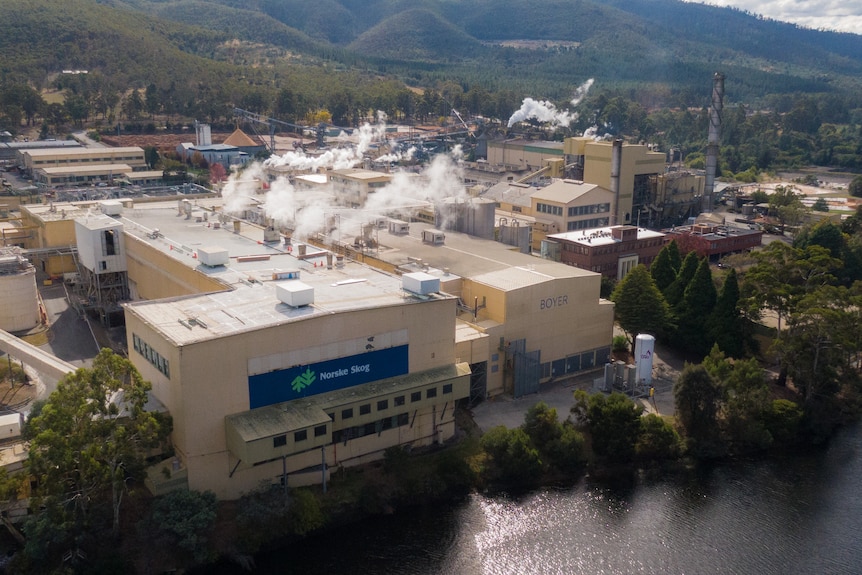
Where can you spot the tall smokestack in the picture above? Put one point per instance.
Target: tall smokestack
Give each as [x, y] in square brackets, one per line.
[714, 139]
[616, 161]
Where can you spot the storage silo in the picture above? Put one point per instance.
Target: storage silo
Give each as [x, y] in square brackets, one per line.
[479, 218]
[644, 351]
[19, 301]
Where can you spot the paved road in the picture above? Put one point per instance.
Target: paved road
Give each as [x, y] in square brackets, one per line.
[503, 410]
[70, 337]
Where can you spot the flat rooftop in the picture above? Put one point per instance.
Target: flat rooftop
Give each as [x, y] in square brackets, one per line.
[249, 301]
[463, 255]
[601, 236]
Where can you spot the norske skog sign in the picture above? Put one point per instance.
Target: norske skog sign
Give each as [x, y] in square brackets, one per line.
[305, 380]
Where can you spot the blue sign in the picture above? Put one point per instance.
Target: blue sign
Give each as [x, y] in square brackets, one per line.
[306, 380]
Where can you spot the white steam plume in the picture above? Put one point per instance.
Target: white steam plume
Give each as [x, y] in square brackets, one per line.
[545, 111]
[307, 212]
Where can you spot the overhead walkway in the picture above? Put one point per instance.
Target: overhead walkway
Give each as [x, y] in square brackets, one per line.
[40, 360]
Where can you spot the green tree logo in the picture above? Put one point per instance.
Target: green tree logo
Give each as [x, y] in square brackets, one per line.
[303, 380]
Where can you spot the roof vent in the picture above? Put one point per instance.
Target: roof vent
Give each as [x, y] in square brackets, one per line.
[213, 256]
[420, 283]
[294, 293]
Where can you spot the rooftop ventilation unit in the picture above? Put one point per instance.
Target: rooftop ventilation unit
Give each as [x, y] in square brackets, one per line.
[433, 237]
[294, 293]
[111, 207]
[420, 283]
[398, 227]
[213, 256]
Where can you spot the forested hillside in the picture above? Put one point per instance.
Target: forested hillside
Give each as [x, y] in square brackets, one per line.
[625, 44]
[793, 96]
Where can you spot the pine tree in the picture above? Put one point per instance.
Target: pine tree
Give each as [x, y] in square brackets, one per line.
[695, 309]
[675, 257]
[674, 292]
[725, 323]
[662, 270]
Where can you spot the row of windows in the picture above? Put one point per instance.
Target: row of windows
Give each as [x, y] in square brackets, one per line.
[549, 209]
[298, 436]
[372, 428]
[590, 209]
[587, 224]
[151, 355]
[397, 401]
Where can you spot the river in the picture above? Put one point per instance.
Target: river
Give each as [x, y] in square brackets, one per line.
[799, 514]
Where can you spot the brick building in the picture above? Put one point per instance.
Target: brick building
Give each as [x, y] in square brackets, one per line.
[612, 251]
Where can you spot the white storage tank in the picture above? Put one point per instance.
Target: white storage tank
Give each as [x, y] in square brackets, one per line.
[19, 302]
[644, 351]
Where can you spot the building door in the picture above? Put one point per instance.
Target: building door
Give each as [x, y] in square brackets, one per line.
[478, 382]
[525, 368]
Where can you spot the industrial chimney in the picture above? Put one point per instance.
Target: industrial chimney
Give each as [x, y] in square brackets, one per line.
[616, 162]
[713, 139]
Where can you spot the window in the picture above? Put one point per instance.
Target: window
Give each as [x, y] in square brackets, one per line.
[331, 416]
[301, 435]
[365, 409]
[383, 405]
[319, 430]
[447, 388]
[432, 392]
[399, 400]
[346, 413]
[415, 396]
[279, 441]
[402, 419]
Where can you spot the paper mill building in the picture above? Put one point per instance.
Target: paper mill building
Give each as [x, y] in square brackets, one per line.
[280, 360]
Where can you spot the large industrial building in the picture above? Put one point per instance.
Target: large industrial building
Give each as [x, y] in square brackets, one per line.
[561, 206]
[31, 161]
[644, 193]
[283, 360]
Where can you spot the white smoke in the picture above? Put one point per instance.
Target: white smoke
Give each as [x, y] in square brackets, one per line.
[353, 149]
[593, 132]
[307, 212]
[545, 111]
[581, 92]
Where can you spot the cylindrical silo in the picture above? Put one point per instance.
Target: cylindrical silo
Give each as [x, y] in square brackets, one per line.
[19, 301]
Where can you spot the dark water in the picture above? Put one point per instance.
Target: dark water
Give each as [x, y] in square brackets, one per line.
[796, 515]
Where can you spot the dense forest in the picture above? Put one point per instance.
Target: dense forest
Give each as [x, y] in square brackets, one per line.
[792, 95]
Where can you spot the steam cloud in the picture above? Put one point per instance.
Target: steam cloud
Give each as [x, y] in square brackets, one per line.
[545, 111]
[307, 212]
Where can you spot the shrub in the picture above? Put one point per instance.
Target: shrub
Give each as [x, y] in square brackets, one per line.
[658, 439]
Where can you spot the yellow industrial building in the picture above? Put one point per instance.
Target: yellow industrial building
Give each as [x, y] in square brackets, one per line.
[32, 160]
[282, 361]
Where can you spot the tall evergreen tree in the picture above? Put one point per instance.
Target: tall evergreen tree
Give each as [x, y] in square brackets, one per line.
[695, 309]
[675, 291]
[662, 270]
[675, 256]
[725, 322]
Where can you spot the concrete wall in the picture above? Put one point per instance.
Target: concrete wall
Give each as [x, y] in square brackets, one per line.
[154, 274]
